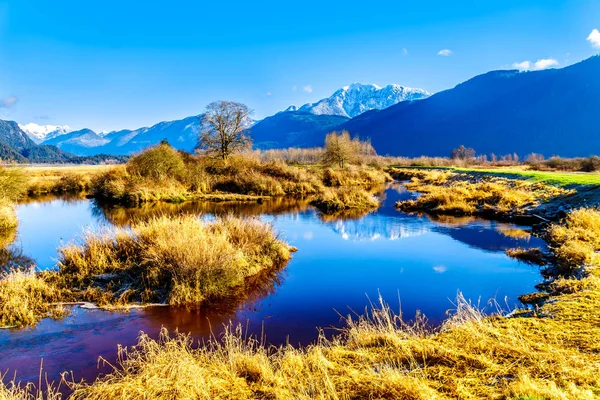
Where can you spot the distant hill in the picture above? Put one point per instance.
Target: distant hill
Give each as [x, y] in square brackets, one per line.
[181, 134]
[39, 133]
[293, 129]
[82, 142]
[551, 112]
[16, 146]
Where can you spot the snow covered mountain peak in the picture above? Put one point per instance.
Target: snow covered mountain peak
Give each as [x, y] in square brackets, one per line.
[357, 98]
[39, 133]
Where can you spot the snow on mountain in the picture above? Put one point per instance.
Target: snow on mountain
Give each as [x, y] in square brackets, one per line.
[358, 98]
[39, 133]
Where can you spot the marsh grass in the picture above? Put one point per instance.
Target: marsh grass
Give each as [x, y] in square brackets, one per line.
[576, 242]
[376, 356]
[530, 256]
[176, 260]
[25, 298]
[343, 199]
[62, 179]
[164, 174]
[446, 192]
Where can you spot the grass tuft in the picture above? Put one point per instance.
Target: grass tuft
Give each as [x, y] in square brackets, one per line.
[180, 261]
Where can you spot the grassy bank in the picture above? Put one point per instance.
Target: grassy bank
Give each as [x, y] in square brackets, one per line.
[447, 192]
[164, 174]
[179, 261]
[549, 353]
[550, 177]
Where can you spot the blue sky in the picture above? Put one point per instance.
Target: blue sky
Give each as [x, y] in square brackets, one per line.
[127, 64]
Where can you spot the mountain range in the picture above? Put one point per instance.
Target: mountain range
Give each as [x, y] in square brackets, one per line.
[351, 101]
[294, 125]
[40, 133]
[499, 112]
[550, 112]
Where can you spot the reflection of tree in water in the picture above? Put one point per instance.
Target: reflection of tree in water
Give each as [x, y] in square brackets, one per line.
[119, 215]
[46, 198]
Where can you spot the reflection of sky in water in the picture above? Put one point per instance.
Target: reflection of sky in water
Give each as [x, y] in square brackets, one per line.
[340, 265]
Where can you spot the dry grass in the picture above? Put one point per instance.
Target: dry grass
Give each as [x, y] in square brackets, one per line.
[163, 174]
[25, 298]
[445, 192]
[530, 256]
[8, 217]
[180, 260]
[576, 243]
[335, 200]
[62, 179]
[377, 356]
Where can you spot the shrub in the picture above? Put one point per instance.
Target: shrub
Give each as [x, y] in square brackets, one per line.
[158, 163]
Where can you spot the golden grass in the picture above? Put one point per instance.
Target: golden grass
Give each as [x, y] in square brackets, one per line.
[377, 356]
[576, 243]
[180, 260]
[25, 298]
[8, 217]
[529, 256]
[335, 200]
[445, 192]
[163, 174]
[62, 179]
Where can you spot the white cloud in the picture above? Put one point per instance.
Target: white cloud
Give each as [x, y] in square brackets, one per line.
[536, 66]
[294, 88]
[405, 51]
[445, 52]
[269, 94]
[8, 102]
[440, 269]
[545, 63]
[594, 39]
[522, 66]
[307, 89]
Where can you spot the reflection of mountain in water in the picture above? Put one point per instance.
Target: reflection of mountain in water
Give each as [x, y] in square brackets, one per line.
[377, 226]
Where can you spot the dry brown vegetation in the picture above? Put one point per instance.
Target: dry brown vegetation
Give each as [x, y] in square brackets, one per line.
[162, 173]
[529, 256]
[180, 260]
[25, 298]
[61, 179]
[446, 192]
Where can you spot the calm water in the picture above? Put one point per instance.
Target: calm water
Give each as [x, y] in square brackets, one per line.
[413, 262]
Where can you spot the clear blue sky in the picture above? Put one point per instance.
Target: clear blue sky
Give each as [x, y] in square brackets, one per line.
[125, 64]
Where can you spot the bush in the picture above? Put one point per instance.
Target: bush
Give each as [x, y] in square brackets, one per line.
[590, 164]
[159, 163]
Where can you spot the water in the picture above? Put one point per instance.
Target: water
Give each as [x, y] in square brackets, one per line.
[413, 262]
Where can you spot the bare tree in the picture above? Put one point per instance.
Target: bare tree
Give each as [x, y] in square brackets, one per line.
[463, 153]
[341, 149]
[224, 128]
